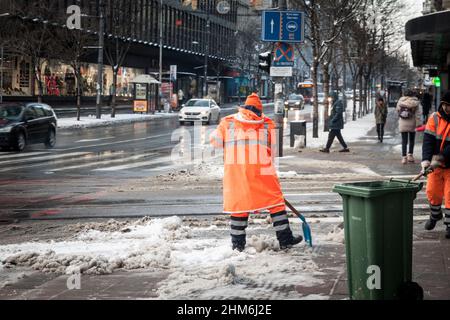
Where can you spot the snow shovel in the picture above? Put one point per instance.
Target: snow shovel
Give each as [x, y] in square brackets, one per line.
[305, 226]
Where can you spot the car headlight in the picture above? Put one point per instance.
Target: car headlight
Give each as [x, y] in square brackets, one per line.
[204, 113]
[297, 103]
[6, 129]
[286, 103]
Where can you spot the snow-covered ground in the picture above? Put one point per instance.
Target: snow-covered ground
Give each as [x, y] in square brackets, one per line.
[353, 131]
[197, 255]
[106, 120]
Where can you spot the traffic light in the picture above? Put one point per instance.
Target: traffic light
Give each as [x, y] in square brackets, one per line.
[437, 82]
[266, 59]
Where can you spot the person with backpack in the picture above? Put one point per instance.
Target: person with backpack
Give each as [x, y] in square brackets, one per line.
[409, 113]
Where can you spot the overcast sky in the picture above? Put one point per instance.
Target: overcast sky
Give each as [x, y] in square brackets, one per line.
[414, 9]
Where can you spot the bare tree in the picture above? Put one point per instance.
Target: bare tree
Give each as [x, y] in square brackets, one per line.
[120, 22]
[326, 20]
[34, 38]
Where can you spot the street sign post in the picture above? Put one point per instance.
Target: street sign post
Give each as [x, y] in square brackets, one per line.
[283, 26]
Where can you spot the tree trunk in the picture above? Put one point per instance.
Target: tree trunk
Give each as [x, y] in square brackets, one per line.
[361, 89]
[37, 77]
[354, 99]
[316, 102]
[79, 84]
[326, 103]
[113, 94]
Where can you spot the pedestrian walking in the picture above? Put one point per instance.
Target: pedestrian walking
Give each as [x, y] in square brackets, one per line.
[427, 102]
[336, 124]
[381, 112]
[408, 109]
[250, 182]
[436, 148]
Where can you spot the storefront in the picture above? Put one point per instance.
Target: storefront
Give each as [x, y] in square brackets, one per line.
[58, 79]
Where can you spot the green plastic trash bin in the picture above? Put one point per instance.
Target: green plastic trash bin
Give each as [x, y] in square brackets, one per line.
[378, 222]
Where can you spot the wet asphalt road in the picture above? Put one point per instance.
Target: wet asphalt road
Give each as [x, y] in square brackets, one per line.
[77, 179]
[39, 181]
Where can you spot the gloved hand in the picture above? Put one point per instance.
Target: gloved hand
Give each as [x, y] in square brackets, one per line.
[437, 161]
[425, 166]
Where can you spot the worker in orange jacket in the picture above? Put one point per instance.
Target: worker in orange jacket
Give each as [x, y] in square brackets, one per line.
[436, 147]
[250, 182]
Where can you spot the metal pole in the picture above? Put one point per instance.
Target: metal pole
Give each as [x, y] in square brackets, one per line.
[279, 101]
[100, 61]
[1, 74]
[205, 67]
[160, 53]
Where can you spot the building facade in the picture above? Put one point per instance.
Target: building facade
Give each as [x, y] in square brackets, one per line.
[186, 38]
[430, 43]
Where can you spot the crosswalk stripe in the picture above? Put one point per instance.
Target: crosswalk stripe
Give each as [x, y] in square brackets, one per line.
[20, 155]
[44, 158]
[86, 157]
[135, 165]
[86, 165]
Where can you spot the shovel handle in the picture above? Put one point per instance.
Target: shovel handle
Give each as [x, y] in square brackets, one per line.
[290, 206]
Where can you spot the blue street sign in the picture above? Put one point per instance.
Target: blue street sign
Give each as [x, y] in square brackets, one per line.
[283, 26]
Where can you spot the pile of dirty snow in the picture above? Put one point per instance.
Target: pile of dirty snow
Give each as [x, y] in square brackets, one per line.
[197, 256]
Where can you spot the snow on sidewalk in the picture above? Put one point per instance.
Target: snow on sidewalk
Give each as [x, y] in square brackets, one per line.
[197, 255]
[353, 131]
[106, 120]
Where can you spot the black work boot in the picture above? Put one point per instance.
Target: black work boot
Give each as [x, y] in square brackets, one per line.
[238, 226]
[238, 242]
[325, 150]
[435, 216]
[283, 231]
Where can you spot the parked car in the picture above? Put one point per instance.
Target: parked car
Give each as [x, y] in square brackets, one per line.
[295, 101]
[205, 110]
[321, 98]
[25, 124]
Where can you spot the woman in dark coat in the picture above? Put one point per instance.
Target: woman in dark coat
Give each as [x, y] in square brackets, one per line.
[336, 124]
[381, 112]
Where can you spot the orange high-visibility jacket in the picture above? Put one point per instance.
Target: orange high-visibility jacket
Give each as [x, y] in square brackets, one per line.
[250, 181]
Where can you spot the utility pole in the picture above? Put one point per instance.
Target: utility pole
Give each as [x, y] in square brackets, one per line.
[1, 73]
[160, 53]
[101, 41]
[279, 100]
[205, 67]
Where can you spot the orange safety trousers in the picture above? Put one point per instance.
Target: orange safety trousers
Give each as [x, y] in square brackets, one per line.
[271, 210]
[438, 187]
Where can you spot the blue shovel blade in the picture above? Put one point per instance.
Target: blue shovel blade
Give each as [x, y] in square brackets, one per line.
[307, 233]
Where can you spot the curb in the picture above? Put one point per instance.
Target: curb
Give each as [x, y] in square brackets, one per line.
[149, 118]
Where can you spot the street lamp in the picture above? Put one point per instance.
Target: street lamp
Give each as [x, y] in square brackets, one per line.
[160, 53]
[100, 48]
[205, 69]
[101, 41]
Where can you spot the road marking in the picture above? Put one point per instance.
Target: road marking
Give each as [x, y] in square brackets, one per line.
[37, 159]
[91, 140]
[86, 157]
[21, 155]
[135, 165]
[115, 142]
[85, 165]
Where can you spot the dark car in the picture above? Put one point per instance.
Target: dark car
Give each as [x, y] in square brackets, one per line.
[295, 101]
[24, 124]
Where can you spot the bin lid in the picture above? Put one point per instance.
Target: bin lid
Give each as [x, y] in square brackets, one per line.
[372, 189]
